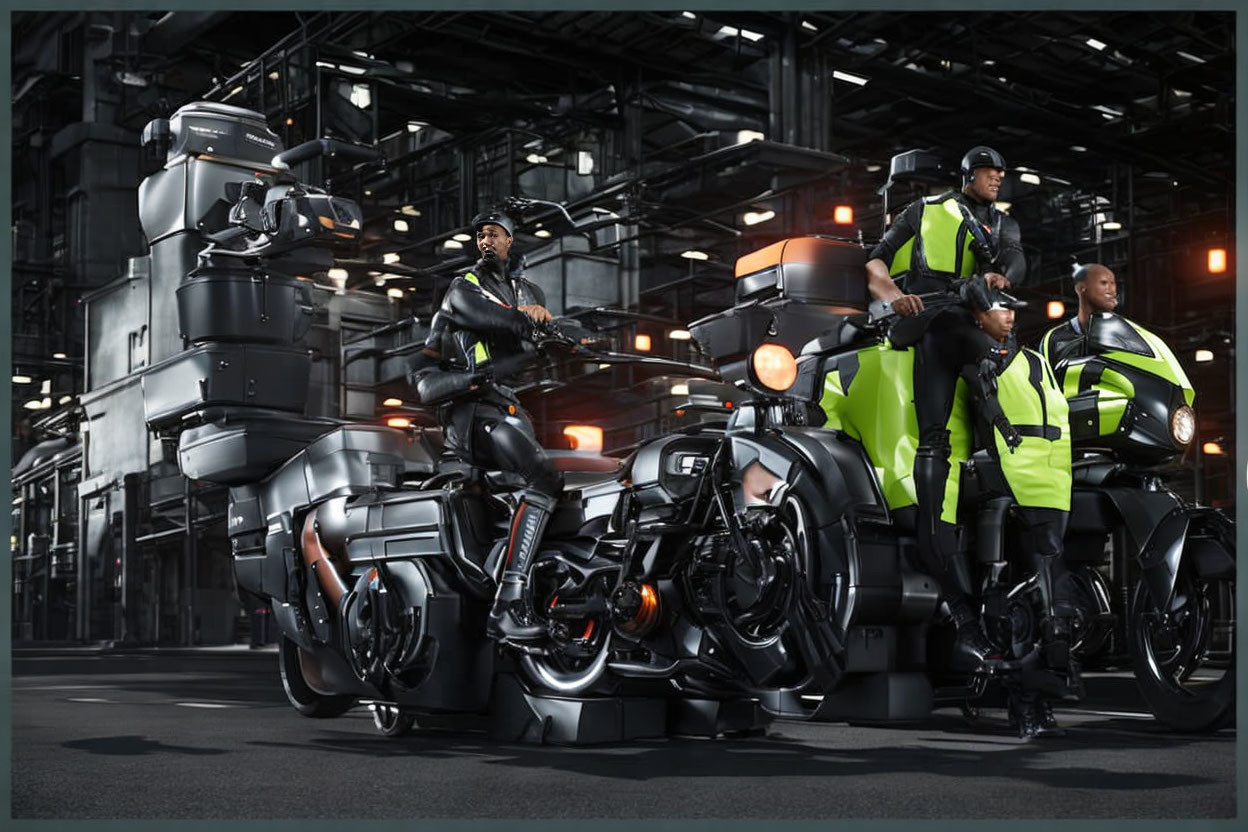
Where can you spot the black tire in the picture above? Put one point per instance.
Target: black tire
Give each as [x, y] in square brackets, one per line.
[305, 700]
[1179, 684]
[390, 721]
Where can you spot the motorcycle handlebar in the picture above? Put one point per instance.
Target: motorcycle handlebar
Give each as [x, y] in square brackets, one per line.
[325, 147]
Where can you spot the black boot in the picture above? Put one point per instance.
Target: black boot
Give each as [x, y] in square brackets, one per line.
[972, 650]
[512, 617]
[1032, 717]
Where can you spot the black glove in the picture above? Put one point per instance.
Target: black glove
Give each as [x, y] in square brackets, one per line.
[974, 292]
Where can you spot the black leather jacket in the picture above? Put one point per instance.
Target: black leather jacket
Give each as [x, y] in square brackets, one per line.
[478, 327]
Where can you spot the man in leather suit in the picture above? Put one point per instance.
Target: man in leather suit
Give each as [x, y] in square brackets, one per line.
[935, 242]
[1097, 289]
[484, 320]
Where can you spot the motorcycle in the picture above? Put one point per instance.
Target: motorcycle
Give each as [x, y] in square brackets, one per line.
[850, 391]
[379, 553]
[1173, 562]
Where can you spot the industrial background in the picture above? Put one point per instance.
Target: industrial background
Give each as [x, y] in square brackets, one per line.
[677, 140]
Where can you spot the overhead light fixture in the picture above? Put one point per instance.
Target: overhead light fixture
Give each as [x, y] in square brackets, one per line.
[401, 225]
[755, 217]
[392, 402]
[409, 211]
[1109, 111]
[843, 215]
[849, 77]
[694, 254]
[1078, 148]
[65, 400]
[689, 15]
[680, 390]
[232, 93]
[46, 387]
[536, 159]
[452, 245]
[462, 237]
[1204, 356]
[58, 355]
[874, 168]
[415, 126]
[1190, 57]
[1112, 225]
[33, 404]
[326, 65]
[390, 257]
[398, 422]
[541, 232]
[1095, 44]
[641, 342]
[352, 70]
[751, 36]
[584, 163]
[746, 136]
[1029, 178]
[680, 335]
[1217, 260]
[1212, 449]
[989, 62]
[728, 32]
[1003, 207]
[394, 292]
[274, 75]
[584, 437]
[22, 379]
[1055, 309]
[806, 24]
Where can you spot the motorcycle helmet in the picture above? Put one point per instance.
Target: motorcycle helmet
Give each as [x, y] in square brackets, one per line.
[980, 156]
[494, 218]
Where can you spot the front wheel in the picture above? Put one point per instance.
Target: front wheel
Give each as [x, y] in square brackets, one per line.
[1184, 658]
[299, 674]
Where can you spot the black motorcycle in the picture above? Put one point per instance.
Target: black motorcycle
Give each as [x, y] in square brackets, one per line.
[806, 296]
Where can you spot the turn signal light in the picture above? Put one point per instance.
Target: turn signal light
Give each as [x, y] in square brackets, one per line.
[1212, 449]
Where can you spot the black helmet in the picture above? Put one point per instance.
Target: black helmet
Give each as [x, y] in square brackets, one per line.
[980, 157]
[494, 218]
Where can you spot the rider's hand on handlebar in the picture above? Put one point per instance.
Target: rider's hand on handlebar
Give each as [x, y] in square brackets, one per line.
[537, 313]
[907, 305]
[996, 280]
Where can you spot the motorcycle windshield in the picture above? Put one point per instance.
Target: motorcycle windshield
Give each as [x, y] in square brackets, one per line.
[1117, 339]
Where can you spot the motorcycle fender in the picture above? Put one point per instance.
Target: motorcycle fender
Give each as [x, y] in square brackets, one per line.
[1159, 560]
[1211, 561]
[288, 621]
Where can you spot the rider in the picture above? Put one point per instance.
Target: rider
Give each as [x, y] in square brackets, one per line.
[486, 314]
[935, 241]
[1024, 426]
[1097, 289]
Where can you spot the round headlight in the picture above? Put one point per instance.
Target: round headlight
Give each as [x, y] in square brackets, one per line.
[1183, 425]
[774, 367]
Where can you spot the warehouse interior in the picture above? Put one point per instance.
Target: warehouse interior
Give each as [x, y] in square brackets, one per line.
[676, 141]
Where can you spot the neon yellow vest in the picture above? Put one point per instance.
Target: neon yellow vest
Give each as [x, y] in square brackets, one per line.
[943, 241]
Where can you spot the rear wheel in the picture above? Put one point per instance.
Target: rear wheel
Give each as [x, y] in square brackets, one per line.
[1183, 658]
[301, 679]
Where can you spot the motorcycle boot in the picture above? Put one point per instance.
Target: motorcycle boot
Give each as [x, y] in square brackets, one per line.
[512, 617]
[1042, 537]
[938, 549]
[1032, 717]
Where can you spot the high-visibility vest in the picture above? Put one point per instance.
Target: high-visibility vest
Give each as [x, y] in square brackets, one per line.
[942, 246]
[1038, 468]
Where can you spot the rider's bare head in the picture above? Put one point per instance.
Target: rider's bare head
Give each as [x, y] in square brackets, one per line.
[997, 323]
[1096, 287]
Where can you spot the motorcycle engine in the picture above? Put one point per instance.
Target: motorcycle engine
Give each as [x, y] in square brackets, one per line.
[384, 626]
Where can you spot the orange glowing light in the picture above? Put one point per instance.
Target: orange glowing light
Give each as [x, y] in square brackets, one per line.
[843, 215]
[1217, 260]
[584, 437]
[399, 422]
[1212, 449]
[1055, 309]
[642, 343]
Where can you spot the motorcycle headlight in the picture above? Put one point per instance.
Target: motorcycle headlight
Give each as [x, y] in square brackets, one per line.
[1183, 425]
[774, 367]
